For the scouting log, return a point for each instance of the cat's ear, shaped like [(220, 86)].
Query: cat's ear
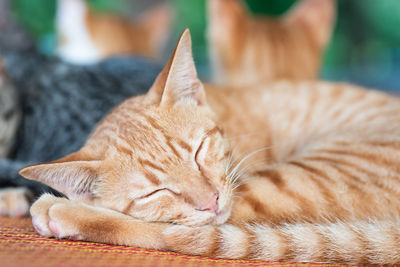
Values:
[(70, 175), (318, 16), (158, 21), (178, 80)]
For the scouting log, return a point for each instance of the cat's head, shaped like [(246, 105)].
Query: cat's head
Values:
[(157, 157), (245, 48), (86, 36)]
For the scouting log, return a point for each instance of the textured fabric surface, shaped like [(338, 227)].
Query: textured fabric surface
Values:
[(21, 246)]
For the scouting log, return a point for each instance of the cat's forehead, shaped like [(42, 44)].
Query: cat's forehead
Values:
[(183, 119), (149, 131)]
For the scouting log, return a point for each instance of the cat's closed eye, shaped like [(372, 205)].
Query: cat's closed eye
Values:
[(199, 150), (161, 190)]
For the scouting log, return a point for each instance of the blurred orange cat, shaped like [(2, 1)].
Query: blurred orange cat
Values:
[(86, 36), (245, 49)]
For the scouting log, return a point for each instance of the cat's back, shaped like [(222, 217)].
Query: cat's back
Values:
[(312, 93), (287, 89), (307, 92), (304, 104), (302, 113)]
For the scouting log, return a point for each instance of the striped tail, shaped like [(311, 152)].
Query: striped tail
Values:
[(371, 242)]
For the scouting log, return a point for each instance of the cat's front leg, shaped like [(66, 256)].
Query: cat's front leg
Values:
[(63, 218), (40, 213)]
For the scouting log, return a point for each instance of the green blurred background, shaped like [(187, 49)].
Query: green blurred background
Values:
[(364, 48)]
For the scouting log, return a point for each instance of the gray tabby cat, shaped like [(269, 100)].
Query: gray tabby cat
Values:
[(60, 104)]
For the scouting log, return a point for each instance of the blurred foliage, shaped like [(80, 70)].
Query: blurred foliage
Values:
[(37, 16), (383, 17), (365, 47), (118, 6), (271, 7)]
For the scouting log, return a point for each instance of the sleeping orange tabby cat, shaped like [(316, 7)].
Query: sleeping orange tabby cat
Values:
[(245, 49), (86, 36), (163, 169)]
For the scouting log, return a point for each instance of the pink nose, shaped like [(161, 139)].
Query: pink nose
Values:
[(211, 204)]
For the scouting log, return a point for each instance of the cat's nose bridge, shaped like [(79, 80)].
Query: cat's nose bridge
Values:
[(198, 191), (202, 196), (209, 203)]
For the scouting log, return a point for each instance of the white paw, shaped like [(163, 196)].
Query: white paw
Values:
[(14, 202), (41, 215), (57, 217)]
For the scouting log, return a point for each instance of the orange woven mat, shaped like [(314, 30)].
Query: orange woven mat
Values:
[(21, 246)]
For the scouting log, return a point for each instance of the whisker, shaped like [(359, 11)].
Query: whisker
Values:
[(229, 163), (236, 186), (239, 182), (237, 162), (236, 197), (252, 165), (231, 156), (234, 170)]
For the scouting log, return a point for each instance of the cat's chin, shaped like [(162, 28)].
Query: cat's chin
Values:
[(214, 220), (221, 218)]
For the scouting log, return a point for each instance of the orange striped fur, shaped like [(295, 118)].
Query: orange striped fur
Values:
[(168, 170), (88, 36), (245, 49)]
